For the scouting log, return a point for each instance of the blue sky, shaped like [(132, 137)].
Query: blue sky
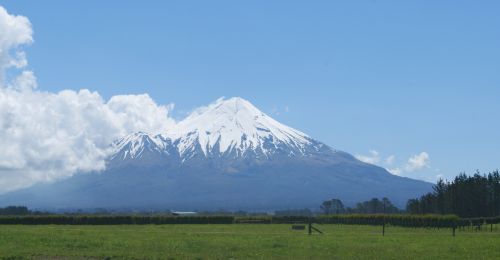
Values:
[(396, 77)]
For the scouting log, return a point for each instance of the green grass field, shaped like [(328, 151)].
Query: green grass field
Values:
[(244, 242)]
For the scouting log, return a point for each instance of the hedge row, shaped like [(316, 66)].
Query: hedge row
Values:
[(479, 221), (273, 220), (114, 220), (436, 221)]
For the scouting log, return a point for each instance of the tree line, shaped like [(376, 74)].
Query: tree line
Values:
[(373, 206), (466, 196), (113, 220), (19, 211), (15, 210)]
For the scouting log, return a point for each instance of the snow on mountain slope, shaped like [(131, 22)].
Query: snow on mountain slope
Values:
[(228, 127), (234, 125), (135, 145)]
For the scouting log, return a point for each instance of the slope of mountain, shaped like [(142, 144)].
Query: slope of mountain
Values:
[(228, 155)]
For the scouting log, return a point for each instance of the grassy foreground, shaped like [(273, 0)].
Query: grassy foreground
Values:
[(243, 242)]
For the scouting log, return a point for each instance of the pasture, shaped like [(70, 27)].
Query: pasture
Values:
[(244, 241)]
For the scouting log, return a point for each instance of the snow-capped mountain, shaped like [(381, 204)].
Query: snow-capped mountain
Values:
[(228, 155), (232, 129), (235, 126)]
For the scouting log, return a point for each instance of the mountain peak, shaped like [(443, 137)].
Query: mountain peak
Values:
[(234, 124), (236, 104), (232, 107)]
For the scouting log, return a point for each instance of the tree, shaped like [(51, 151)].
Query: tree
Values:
[(388, 207), (374, 206), (466, 196), (326, 207), (334, 206), (14, 210), (337, 206)]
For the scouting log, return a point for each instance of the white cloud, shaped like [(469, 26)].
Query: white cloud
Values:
[(414, 163), (52, 135), (372, 158), (46, 136), (280, 110), (395, 171), (390, 160), (15, 31), (417, 162), (275, 111), (25, 81)]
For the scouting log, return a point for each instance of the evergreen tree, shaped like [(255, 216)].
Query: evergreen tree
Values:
[(466, 196)]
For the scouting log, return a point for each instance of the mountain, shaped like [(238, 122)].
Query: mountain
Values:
[(226, 134), (228, 155)]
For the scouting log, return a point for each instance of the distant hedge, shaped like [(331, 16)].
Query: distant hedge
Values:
[(273, 220), (479, 221), (435, 221), (359, 219), (113, 220), (402, 220)]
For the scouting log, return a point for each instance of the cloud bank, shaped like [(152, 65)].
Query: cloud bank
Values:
[(417, 162), (47, 136), (414, 163), (372, 158), (14, 32)]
